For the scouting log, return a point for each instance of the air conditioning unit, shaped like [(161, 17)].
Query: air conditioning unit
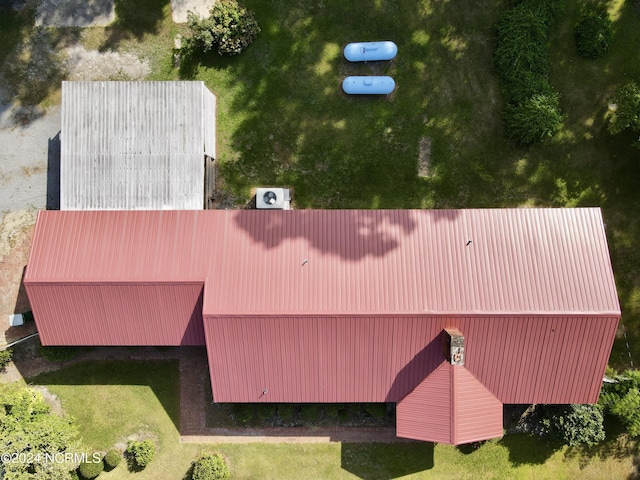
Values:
[(270, 198), (454, 346)]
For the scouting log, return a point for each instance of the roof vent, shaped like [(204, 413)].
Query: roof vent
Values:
[(269, 198), (454, 346)]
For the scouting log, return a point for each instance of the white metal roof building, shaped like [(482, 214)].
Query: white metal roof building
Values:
[(135, 145)]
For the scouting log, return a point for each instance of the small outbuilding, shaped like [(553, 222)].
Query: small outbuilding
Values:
[(136, 145)]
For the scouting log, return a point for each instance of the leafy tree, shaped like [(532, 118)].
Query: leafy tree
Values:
[(5, 358), (30, 434), (626, 115), (140, 453), (230, 26), (572, 424), (621, 398), (593, 35), (210, 467)]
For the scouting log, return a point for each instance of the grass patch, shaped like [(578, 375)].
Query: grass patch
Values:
[(112, 400)]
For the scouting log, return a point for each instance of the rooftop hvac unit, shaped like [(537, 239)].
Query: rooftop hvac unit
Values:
[(272, 198), (454, 346)]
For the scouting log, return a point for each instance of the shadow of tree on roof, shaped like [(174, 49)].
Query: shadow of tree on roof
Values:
[(362, 233), (372, 461)]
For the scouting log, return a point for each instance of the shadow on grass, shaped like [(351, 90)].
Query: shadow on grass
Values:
[(161, 376), (372, 461), (134, 19), (527, 449)]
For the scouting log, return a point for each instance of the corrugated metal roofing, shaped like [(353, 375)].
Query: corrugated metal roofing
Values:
[(135, 145), (344, 261), (449, 406)]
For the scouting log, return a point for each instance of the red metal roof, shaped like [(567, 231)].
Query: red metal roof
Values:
[(339, 306), (449, 406), (374, 261)]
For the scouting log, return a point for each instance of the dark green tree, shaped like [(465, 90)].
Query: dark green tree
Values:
[(593, 35)]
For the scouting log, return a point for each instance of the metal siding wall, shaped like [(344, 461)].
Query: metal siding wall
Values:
[(425, 413), (478, 414), (118, 314), (376, 359)]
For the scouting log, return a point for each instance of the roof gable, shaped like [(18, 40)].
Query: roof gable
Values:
[(449, 406)]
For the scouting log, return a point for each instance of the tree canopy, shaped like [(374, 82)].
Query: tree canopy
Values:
[(33, 441)]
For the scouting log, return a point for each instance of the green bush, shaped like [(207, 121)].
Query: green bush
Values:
[(332, 410), (89, 470), (5, 358), (230, 26), (210, 467), (536, 118), (572, 425), (243, 412), (309, 412), (140, 453), (286, 411), (376, 410), (593, 35), (112, 459), (265, 411)]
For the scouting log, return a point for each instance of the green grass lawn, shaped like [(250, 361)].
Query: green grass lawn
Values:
[(113, 400)]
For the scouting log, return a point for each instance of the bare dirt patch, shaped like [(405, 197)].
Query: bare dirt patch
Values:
[(93, 65), (51, 399), (424, 156)]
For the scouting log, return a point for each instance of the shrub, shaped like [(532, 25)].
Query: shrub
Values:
[(140, 453), (285, 411), (5, 358), (593, 35), (573, 425), (376, 410), (112, 459), (89, 470), (243, 412), (332, 409), (265, 410), (309, 412), (210, 467), (230, 26), (536, 118)]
